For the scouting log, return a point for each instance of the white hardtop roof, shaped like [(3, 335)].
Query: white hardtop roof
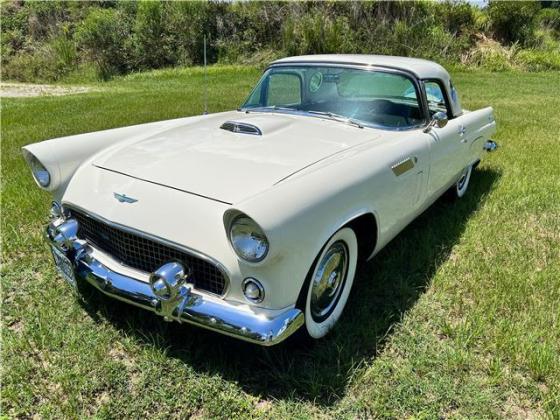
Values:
[(423, 69)]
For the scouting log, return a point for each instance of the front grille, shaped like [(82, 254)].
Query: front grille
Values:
[(146, 254)]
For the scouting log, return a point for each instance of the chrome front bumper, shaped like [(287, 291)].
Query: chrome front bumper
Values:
[(186, 306)]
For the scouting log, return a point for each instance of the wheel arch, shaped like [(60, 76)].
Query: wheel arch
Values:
[(365, 226)]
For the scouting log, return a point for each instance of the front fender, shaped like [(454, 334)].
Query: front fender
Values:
[(299, 217), (64, 155)]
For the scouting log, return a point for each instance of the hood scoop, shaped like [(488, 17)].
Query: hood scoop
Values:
[(241, 128)]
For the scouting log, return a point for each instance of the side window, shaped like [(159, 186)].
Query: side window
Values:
[(436, 98), (284, 89)]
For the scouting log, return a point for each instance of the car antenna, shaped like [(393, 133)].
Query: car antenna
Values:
[(205, 81)]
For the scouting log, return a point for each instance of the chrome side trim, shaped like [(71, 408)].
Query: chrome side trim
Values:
[(213, 314), (179, 247)]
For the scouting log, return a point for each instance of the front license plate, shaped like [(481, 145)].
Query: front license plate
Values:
[(64, 266)]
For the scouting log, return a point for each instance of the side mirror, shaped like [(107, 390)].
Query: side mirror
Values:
[(439, 120)]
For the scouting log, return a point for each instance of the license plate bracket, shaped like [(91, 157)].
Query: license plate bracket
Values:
[(64, 266)]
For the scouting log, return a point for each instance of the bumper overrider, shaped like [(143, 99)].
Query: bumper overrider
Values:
[(168, 293)]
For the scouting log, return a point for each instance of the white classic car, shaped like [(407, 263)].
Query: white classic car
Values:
[(251, 222)]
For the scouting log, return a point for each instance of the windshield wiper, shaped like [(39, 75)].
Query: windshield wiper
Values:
[(337, 117), (330, 115), (273, 107)]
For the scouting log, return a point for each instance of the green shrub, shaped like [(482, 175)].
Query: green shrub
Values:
[(545, 39), (549, 18), (14, 29), (457, 17), (481, 23), (49, 40), (105, 38), (537, 60), (186, 23), (44, 17), (149, 35), (513, 21), (65, 53), (38, 66), (491, 55), (317, 34), (51, 61)]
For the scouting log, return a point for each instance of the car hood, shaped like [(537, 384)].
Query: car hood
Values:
[(201, 158)]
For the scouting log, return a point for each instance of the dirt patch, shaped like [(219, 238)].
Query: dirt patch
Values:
[(24, 90)]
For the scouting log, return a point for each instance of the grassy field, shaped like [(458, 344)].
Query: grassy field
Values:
[(458, 316)]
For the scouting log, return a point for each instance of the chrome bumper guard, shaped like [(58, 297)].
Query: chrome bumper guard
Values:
[(182, 304)]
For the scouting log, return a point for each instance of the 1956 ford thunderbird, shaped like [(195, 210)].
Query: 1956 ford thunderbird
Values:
[(251, 222)]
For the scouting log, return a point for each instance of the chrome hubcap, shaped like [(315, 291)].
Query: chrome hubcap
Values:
[(328, 281)]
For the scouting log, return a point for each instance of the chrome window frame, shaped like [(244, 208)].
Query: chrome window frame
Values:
[(444, 92)]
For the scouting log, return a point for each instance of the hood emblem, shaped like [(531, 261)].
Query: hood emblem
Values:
[(123, 198)]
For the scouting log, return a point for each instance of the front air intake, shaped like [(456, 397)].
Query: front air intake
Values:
[(241, 127)]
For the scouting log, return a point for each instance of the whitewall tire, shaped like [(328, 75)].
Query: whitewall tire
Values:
[(463, 182), (330, 283)]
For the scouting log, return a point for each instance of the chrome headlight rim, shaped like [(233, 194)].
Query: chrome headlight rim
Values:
[(235, 221), (40, 173)]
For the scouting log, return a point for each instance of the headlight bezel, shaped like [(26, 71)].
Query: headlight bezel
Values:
[(40, 173), (241, 220)]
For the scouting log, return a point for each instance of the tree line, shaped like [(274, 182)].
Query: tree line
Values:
[(46, 41)]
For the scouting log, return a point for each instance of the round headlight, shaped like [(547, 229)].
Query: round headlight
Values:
[(39, 172), (248, 239)]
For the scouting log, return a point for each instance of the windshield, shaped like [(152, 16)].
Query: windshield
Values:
[(363, 97)]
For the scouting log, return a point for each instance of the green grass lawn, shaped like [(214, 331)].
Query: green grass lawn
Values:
[(458, 316)]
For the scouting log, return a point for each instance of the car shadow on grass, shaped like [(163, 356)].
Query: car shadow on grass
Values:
[(385, 289)]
